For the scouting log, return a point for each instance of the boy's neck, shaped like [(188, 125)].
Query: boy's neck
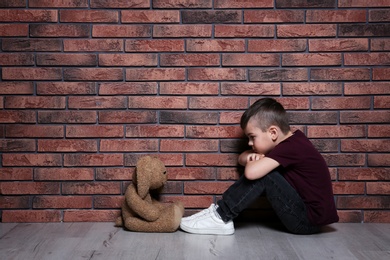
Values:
[(283, 136)]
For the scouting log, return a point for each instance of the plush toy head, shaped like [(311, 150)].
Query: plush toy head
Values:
[(150, 174)]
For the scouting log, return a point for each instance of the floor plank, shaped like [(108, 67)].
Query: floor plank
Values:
[(251, 241)]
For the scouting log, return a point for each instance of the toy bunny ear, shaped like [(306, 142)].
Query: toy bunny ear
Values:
[(143, 175)]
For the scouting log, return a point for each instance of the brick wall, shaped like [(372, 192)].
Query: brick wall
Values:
[(89, 86)]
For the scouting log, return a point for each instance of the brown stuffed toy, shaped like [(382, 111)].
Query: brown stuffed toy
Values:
[(141, 212)]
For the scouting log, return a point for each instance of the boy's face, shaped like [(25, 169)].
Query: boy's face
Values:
[(261, 142)]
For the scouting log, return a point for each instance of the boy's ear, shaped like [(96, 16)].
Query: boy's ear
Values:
[(274, 132)]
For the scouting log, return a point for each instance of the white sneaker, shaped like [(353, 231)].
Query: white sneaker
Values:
[(207, 222)]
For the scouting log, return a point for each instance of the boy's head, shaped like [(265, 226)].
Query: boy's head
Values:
[(264, 113)]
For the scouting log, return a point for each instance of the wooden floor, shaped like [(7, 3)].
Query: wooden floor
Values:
[(251, 241)]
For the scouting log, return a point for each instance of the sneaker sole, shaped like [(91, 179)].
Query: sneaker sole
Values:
[(225, 232)]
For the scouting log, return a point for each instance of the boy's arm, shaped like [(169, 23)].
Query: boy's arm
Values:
[(256, 165)]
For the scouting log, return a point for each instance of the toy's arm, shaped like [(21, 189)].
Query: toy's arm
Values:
[(143, 208)]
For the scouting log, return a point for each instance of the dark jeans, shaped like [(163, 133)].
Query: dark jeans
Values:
[(284, 199)]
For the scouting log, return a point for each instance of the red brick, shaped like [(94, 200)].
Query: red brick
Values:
[(363, 3), (278, 45), (206, 187), (35, 102), (210, 45), (361, 59), (182, 3), (169, 159), (189, 88), (17, 145), (154, 45), (214, 132), (127, 117), (107, 202), (378, 130), (306, 30), (128, 145), (326, 145), (366, 88), (16, 174), (89, 16), (189, 60), (114, 174), (218, 103), (15, 116), (31, 73), (340, 74), (62, 202), (66, 60), (371, 216), (83, 188), (377, 73), (382, 102), (336, 131), (210, 16), (120, 4), (249, 89), (267, 60), (341, 103), (350, 188), (304, 3), (18, 59), (150, 16), (81, 131), (22, 188), (128, 60), (335, 16), (13, 202), (68, 117), (350, 216), (59, 30), (14, 30), (313, 118), (191, 201), (162, 102), (365, 30), (243, 4), (364, 174), (154, 131), (93, 159), (191, 173), (204, 159), (29, 216), (174, 31), (91, 215), (312, 88), (360, 202), (127, 88), (346, 159), (273, 16), (13, 3), (121, 31), (167, 145), (58, 3), (228, 173), (16, 88), (65, 88), (364, 145), (32, 159), (379, 159), (377, 44), (188, 117), (67, 146), (93, 102), (155, 74), (311, 59), (278, 74), (378, 188), (92, 45), (364, 117), (379, 15), (18, 15), (216, 74), (333, 45), (93, 74), (64, 174), (291, 102), (26, 131), (241, 31)]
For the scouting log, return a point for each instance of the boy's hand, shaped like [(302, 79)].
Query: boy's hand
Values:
[(254, 157)]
